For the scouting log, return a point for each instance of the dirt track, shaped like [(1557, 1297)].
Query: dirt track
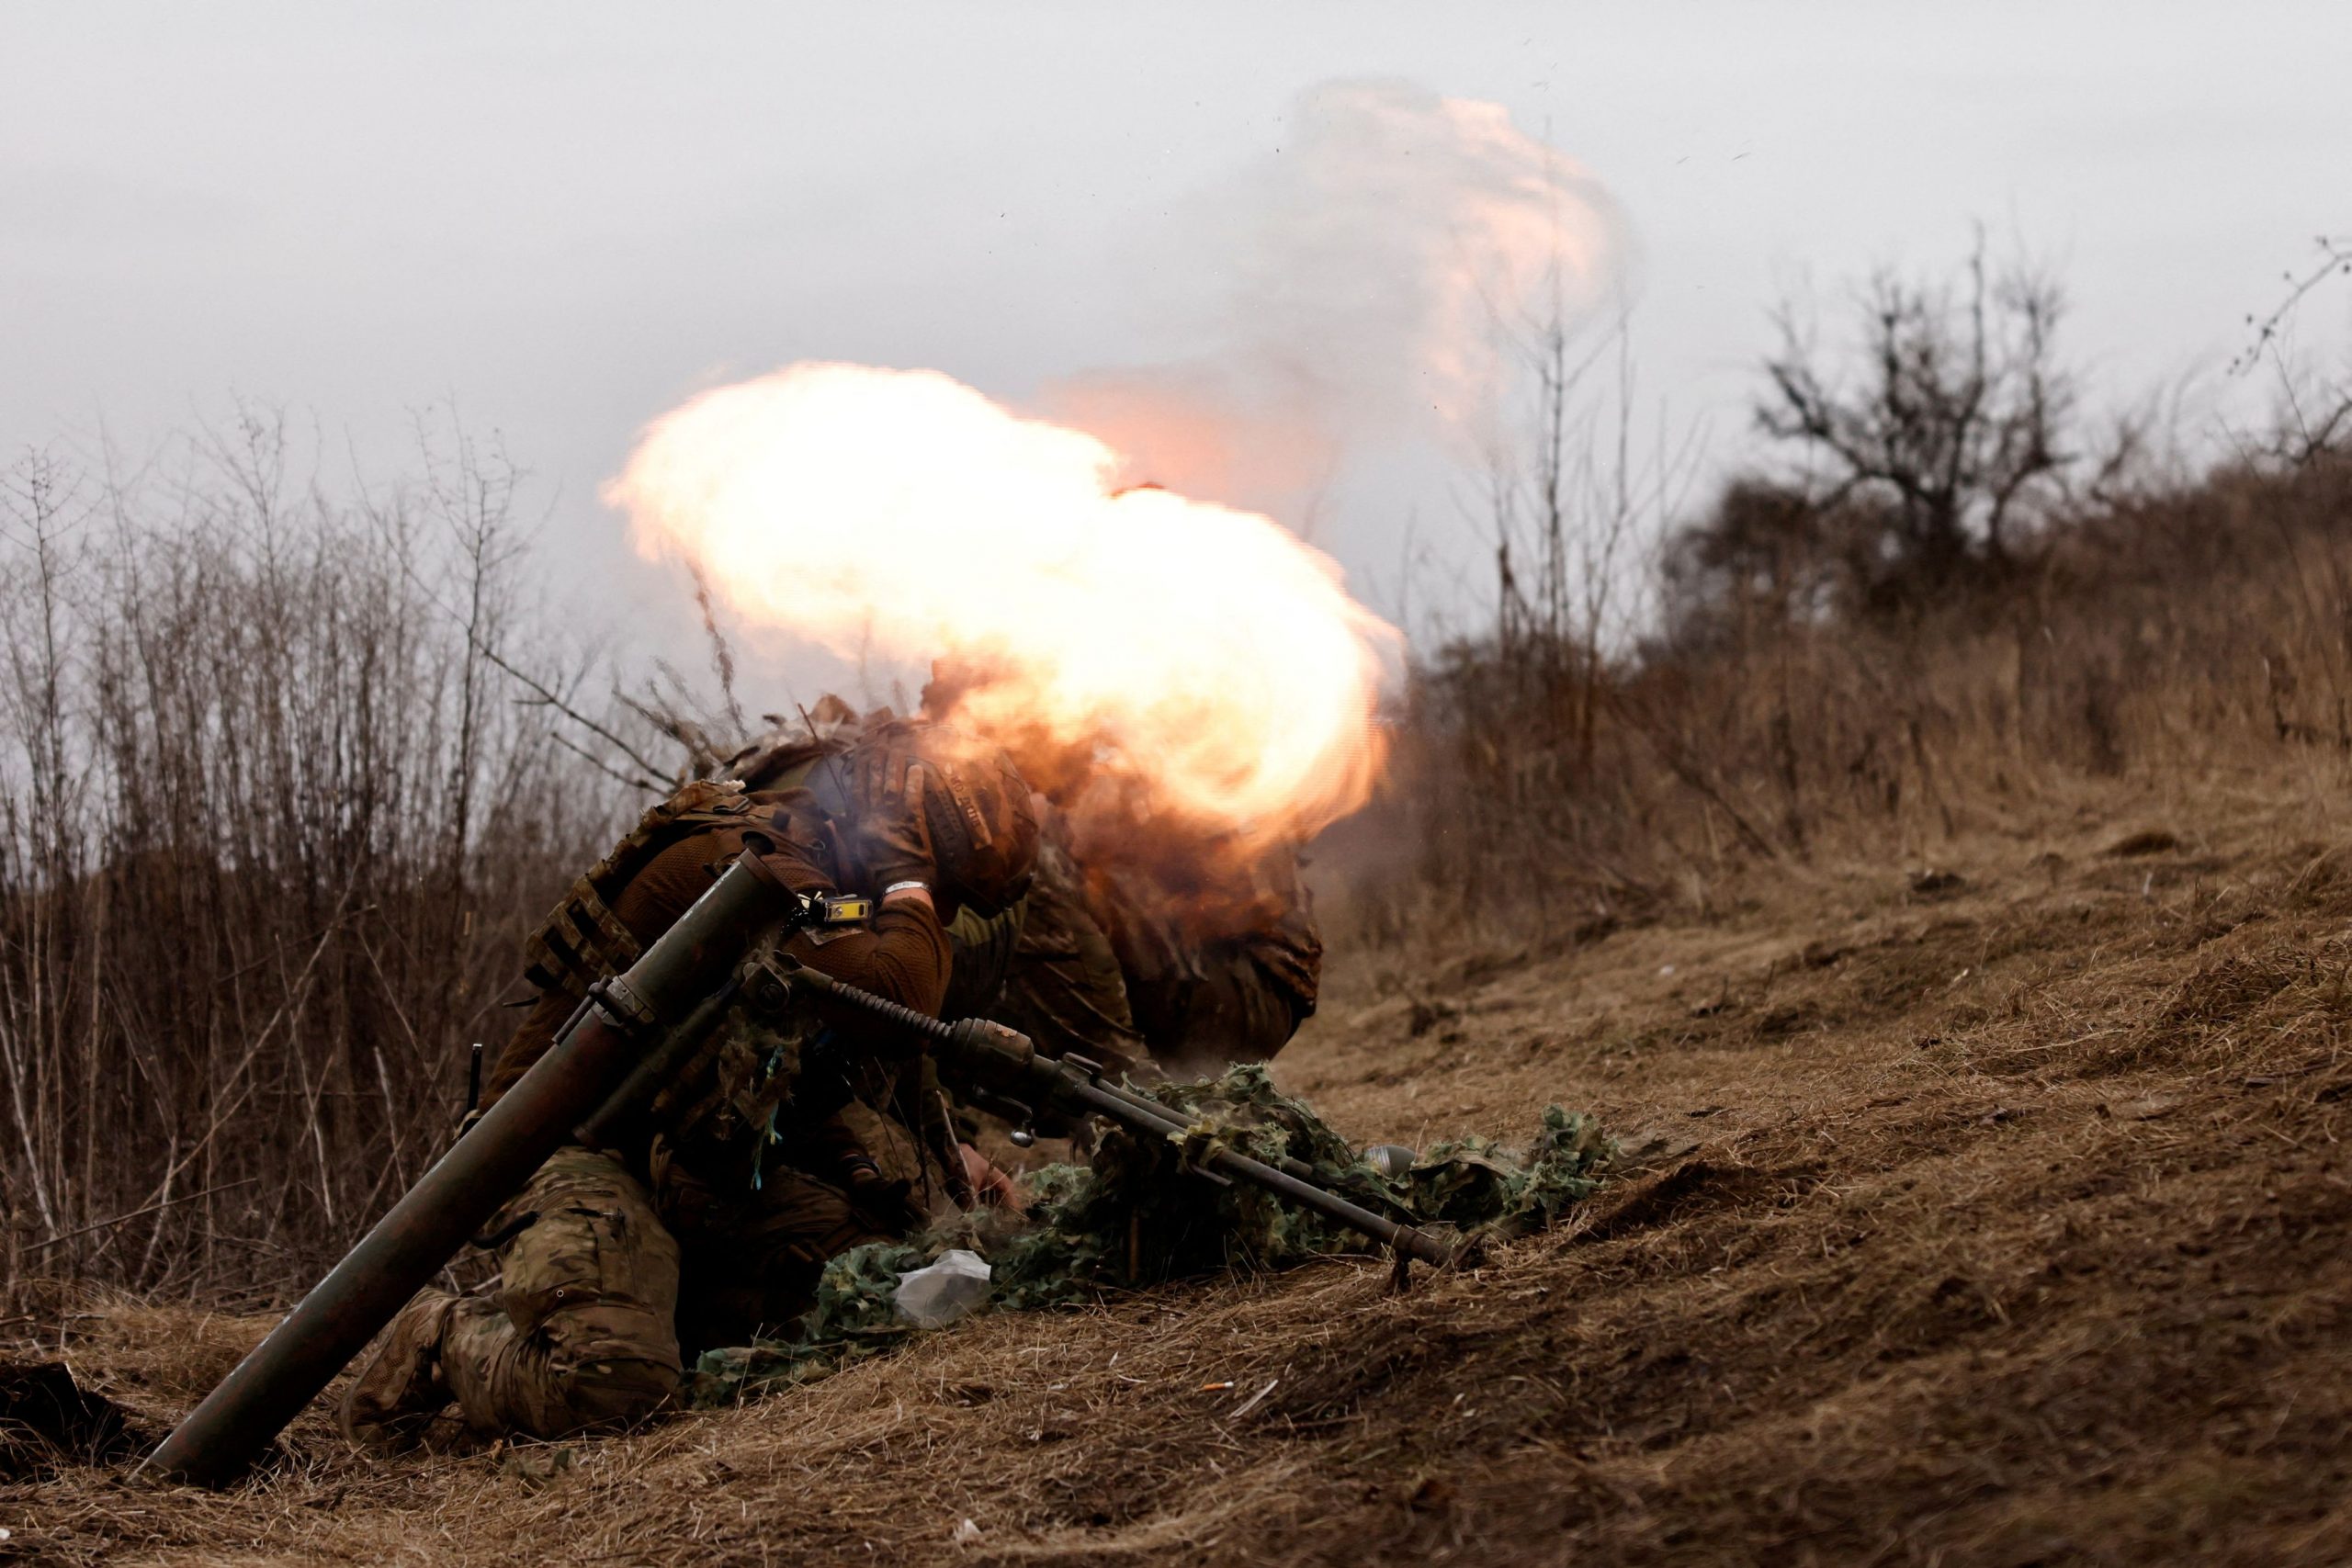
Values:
[(1997, 1221)]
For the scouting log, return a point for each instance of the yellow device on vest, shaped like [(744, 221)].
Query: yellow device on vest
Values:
[(844, 909)]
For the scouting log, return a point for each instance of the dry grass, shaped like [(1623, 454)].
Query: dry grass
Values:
[(2181, 632), (1999, 1223)]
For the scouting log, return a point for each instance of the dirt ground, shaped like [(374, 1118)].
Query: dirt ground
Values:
[(1986, 1211)]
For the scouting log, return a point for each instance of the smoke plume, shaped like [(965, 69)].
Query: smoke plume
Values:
[(1368, 272)]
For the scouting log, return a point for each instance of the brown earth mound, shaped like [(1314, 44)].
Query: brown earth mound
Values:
[(47, 1422), (2007, 1227)]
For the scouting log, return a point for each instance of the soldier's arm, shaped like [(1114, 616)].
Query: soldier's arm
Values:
[(903, 955)]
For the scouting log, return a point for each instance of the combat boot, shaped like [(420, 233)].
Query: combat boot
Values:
[(399, 1388)]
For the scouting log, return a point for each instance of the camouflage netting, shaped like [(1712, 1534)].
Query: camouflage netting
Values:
[(1135, 1219)]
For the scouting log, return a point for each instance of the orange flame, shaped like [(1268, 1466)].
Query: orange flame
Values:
[(1206, 652)]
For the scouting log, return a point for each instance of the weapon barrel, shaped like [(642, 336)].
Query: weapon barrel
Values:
[(451, 1202), (654, 1069), (1132, 1111), (1006, 1059), (1295, 1168)]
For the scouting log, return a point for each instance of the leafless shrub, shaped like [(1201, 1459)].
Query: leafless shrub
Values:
[(270, 813), (1947, 614), (1509, 739)]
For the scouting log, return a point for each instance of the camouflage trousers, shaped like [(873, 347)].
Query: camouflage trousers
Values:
[(597, 1275)]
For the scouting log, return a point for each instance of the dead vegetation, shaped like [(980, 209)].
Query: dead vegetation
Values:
[(2003, 1229), (1938, 594), (270, 816), (1964, 974)]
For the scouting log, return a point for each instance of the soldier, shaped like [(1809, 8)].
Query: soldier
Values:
[(786, 1142), (1141, 945), (1218, 951)]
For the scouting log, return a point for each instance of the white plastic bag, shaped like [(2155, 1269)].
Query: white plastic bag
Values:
[(936, 1295)]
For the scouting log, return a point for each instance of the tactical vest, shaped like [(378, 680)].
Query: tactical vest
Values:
[(728, 1115), (721, 1110), (583, 940), (720, 1113), (724, 1103)]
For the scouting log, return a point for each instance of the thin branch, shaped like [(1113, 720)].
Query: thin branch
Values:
[(633, 782), (150, 1209), (548, 698), (2336, 261)]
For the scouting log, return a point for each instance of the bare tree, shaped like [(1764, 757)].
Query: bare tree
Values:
[(1953, 421)]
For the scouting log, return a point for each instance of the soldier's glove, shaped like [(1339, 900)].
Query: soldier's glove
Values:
[(892, 833)]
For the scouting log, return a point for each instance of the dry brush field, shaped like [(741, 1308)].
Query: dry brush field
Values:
[(1987, 1212)]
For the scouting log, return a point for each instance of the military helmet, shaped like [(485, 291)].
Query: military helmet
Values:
[(976, 806)]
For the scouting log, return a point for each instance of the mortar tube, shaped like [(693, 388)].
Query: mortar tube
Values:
[(654, 1069), (449, 1203)]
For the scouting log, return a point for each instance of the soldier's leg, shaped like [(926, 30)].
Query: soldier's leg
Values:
[(751, 1266), (581, 1333)]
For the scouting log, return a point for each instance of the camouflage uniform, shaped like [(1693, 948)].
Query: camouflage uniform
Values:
[(786, 1141), (1050, 972), (582, 1331), (1122, 968)]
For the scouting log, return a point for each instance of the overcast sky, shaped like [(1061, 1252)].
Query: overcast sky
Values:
[(564, 218)]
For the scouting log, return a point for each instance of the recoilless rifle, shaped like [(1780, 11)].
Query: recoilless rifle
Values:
[(632, 1034)]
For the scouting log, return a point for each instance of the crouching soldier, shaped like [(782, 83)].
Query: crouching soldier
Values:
[(1148, 945), (791, 1137), (1219, 953)]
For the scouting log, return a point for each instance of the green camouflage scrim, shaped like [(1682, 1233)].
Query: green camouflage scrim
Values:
[(1478, 1184), (853, 1319), (1135, 1219)]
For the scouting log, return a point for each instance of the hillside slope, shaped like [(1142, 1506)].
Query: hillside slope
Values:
[(1997, 1216)]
